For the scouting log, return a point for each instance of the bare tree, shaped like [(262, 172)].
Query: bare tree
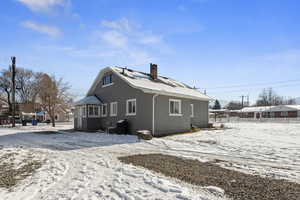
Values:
[(5, 88), (268, 97), (289, 101), (52, 94), (27, 83), (27, 86)]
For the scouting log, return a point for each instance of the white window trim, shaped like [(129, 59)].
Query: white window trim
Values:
[(127, 108), (93, 116), (111, 109), (110, 84), (175, 114), (192, 110), (102, 110)]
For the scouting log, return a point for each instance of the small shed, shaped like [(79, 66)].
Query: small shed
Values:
[(87, 113)]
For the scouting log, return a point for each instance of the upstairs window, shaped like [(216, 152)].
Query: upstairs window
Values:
[(93, 111), (175, 107), (107, 80), (131, 107)]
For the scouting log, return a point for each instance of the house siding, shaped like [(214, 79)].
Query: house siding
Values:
[(201, 115), (166, 124), (120, 92)]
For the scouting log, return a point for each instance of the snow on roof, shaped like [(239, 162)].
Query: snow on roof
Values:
[(33, 114), (163, 85), (218, 110), (88, 100), (271, 108), (297, 107)]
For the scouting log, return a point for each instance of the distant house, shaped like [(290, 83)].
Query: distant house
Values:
[(280, 111), (62, 114), (148, 102)]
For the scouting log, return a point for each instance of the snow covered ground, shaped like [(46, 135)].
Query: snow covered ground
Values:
[(85, 165)]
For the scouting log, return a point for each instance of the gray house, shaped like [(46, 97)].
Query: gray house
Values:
[(148, 102)]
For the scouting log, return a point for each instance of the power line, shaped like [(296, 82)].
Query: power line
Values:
[(243, 90), (251, 84)]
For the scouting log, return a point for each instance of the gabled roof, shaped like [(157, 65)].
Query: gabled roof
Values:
[(143, 81)]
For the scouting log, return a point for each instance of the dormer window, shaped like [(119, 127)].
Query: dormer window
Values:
[(107, 80)]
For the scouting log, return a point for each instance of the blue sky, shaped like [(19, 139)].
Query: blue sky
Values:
[(210, 44)]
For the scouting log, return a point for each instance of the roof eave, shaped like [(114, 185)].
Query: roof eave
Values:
[(174, 94)]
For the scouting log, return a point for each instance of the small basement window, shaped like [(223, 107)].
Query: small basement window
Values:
[(113, 109), (104, 110), (107, 80), (175, 107), (93, 111), (131, 107)]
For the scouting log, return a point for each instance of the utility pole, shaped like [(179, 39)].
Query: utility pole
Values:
[(243, 96), (248, 103), (13, 82)]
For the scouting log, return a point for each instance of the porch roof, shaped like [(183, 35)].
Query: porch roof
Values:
[(89, 100)]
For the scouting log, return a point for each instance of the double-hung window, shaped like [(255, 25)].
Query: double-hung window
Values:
[(131, 107), (175, 107), (104, 110), (93, 111), (113, 109), (192, 110), (83, 111), (107, 80)]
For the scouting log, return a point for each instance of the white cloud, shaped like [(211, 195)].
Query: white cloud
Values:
[(122, 24), (51, 31), (130, 42), (118, 42), (123, 32), (43, 5), (114, 38)]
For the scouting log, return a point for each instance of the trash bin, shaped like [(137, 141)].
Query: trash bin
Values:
[(122, 127), (34, 122), (24, 123)]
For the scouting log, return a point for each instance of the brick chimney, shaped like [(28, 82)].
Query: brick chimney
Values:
[(153, 71)]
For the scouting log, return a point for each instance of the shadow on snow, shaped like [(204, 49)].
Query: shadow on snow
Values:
[(63, 141)]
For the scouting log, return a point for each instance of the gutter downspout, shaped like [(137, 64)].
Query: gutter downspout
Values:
[(153, 113)]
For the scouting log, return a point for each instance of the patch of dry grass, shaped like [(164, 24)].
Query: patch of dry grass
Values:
[(11, 175)]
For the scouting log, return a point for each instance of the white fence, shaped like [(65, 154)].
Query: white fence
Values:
[(237, 119)]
